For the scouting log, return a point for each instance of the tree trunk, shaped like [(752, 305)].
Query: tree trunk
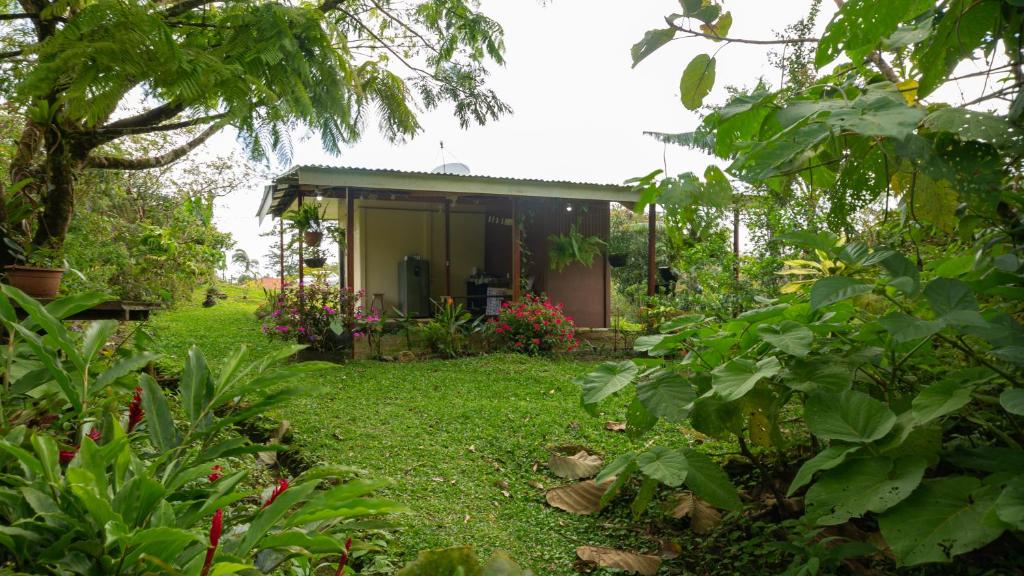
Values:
[(59, 198)]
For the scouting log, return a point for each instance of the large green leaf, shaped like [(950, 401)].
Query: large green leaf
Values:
[(665, 465), (943, 397), (877, 114), (825, 460), (974, 125), (942, 519), (158, 414), (835, 289), (827, 373), (905, 327), (196, 389), (963, 27), (1010, 505), (1012, 400), (652, 40), (862, 485), (607, 379), (850, 416), (639, 419), (947, 295), (789, 336), (860, 25), (733, 380), (708, 481), (666, 395), (697, 81), (716, 417)]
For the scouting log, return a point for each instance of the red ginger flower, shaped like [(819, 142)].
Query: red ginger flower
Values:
[(344, 558), (94, 434), (215, 473), (67, 456), (216, 527), (282, 485), (135, 411)]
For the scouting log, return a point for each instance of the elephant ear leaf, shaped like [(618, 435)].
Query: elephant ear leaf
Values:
[(698, 79)]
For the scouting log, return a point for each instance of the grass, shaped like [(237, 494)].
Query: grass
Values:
[(464, 440)]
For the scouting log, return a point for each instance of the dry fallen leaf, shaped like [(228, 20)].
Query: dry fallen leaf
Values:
[(703, 517), (642, 564), (580, 464), (506, 493), (581, 498), (535, 484), (670, 549), (503, 484), (615, 426)]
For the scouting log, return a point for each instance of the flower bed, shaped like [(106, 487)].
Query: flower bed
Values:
[(534, 325), (317, 318)]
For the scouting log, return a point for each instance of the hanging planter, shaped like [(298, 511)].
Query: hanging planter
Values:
[(618, 260), (312, 238), (315, 261), (36, 282)]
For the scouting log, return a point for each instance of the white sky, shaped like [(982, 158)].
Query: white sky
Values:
[(579, 108)]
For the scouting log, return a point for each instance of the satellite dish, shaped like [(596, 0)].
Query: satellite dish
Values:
[(452, 168)]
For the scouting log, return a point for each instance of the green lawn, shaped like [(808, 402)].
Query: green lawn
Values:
[(452, 434)]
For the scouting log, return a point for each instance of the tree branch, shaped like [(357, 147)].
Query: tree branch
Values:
[(18, 16), (151, 117), (184, 7), (727, 39), (109, 133), (114, 163)]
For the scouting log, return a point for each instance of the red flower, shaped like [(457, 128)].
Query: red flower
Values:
[(536, 341), (94, 434), (282, 485), (344, 558), (215, 474), (67, 455), (216, 527), (135, 411)]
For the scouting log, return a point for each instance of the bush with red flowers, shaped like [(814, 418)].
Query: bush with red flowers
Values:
[(534, 325), (307, 318)]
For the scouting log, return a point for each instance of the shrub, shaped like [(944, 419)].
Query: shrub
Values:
[(448, 331), (534, 325), (103, 472), (307, 318)]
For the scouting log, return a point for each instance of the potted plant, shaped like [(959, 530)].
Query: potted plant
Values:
[(38, 270), (573, 247), (316, 258), (308, 220), (618, 259)]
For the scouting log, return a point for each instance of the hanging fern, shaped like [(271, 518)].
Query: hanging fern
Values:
[(573, 247)]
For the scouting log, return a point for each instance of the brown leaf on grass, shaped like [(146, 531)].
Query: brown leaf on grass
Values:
[(581, 498), (270, 457), (574, 463), (670, 549), (703, 516), (642, 564), (615, 426)]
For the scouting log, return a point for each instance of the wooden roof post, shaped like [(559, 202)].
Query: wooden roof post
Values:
[(350, 239), (652, 262), (447, 248), (280, 224), (516, 258), (302, 265)]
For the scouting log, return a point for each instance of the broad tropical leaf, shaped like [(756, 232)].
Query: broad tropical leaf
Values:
[(850, 416), (697, 81)]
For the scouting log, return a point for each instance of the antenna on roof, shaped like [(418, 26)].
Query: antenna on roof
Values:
[(455, 168)]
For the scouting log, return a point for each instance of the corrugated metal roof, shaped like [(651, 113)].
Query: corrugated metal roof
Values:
[(389, 171)]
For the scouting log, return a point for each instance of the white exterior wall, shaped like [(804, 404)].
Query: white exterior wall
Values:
[(387, 231)]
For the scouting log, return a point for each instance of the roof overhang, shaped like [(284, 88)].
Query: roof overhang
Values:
[(279, 195)]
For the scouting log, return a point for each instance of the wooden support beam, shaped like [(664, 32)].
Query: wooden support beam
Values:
[(302, 265), (447, 249), (341, 251), (280, 224), (350, 239), (516, 258), (652, 262)]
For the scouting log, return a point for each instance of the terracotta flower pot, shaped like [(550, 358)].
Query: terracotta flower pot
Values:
[(36, 282), (313, 238), (314, 262)]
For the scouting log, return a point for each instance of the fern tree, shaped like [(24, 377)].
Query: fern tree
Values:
[(91, 75)]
